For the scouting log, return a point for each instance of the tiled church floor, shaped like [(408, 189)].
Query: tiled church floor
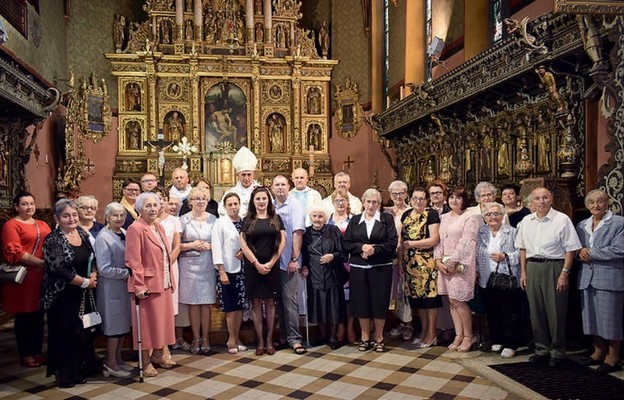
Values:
[(346, 373)]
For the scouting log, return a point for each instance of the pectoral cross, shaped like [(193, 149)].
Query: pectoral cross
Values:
[(185, 149)]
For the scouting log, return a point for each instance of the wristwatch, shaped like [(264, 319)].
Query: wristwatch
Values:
[(566, 270), (294, 259)]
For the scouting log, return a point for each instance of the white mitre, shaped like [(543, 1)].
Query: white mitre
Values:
[(244, 160)]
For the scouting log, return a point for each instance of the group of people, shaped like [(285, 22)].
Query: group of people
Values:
[(174, 253)]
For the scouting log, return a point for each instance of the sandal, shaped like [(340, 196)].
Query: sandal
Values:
[(365, 345), (380, 347), (270, 351), (195, 347), (298, 349), (181, 344), (205, 349), (260, 351), (241, 347)]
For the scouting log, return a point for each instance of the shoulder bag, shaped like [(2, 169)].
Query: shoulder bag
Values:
[(16, 273)]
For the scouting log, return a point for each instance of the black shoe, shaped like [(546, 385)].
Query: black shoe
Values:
[(539, 359), (66, 384), (587, 362), (557, 362), (605, 368), (334, 344)]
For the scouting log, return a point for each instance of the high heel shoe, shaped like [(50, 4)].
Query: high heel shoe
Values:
[(467, 344), (423, 345), (458, 340), (196, 346), (205, 347), (108, 371)]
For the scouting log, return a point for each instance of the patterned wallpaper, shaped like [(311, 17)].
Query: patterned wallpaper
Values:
[(350, 46), (396, 20)]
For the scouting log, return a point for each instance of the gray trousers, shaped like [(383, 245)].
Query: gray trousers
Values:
[(548, 307), (289, 308)]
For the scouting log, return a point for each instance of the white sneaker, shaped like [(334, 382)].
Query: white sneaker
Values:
[(508, 353), (398, 331), (416, 341), (496, 348)]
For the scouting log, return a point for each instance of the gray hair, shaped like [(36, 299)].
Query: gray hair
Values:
[(113, 207), (482, 186), (397, 185), (62, 204), (86, 200), (500, 207), (370, 192), (143, 197), (597, 194), (316, 207)]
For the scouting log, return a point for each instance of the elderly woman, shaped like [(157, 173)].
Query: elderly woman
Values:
[(419, 234), (22, 243), (70, 273), (87, 208), (455, 260), (484, 193), (496, 252), (340, 218), (227, 256), (262, 240), (323, 267), (371, 241), (601, 280), (131, 188), (112, 290), (198, 281), (398, 195), (151, 282)]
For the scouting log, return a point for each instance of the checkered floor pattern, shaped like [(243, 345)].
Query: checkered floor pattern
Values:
[(346, 373)]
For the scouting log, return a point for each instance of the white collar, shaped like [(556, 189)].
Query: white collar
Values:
[(376, 217), (589, 223)]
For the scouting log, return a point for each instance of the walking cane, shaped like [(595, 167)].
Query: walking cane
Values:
[(305, 306), (138, 322)]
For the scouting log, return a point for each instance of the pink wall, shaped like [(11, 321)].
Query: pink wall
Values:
[(40, 174)]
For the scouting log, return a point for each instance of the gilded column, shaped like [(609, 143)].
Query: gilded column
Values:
[(197, 10), (476, 37), (268, 29), (179, 18), (296, 117), (414, 42), (150, 73), (255, 81), (195, 101), (249, 20), (377, 61)]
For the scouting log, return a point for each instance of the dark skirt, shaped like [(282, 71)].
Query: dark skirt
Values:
[(232, 297), (325, 306), (370, 291), (259, 286)]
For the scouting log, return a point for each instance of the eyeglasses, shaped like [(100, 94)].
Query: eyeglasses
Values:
[(493, 214), (91, 208), (198, 199), (397, 194), (340, 201), (414, 198), (148, 180), (133, 190), (488, 194), (435, 193)]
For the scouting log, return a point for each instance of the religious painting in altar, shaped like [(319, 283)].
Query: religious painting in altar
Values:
[(225, 115)]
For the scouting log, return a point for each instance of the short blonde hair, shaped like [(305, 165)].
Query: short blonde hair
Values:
[(86, 200), (596, 194), (371, 192)]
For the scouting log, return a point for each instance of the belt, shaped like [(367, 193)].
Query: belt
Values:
[(543, 260)]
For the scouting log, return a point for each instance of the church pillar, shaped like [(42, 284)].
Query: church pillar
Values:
[(179, 18), (296, 117), (268, 29), (476, 32), (197, 10), (377, 66), (249, 20), (414, 42)]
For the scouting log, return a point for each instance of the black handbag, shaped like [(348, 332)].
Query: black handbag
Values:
[(502, 281)]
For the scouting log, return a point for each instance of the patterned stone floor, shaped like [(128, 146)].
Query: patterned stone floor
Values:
[(400, 373)]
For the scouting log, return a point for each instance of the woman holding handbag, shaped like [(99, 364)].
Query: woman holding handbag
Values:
[(22, 243), (498, 266), (67, 284)]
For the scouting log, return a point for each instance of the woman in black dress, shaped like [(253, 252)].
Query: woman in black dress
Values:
[(70, 274), (262, 241)]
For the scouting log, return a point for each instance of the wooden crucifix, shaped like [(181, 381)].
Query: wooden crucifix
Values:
[(346, 164)]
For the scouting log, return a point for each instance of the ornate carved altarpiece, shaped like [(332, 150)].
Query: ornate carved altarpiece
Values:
[(223, 74)]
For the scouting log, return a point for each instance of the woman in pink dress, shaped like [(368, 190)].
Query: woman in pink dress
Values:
[(455, 259)]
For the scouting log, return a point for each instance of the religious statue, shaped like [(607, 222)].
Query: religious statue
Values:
[(314, 136), (189, 5), (592, 42), (323, 38), (542, 142), (259, 33), (485, 152), (276, 136), (314, 101), (547, 80), (161, 157), (503, 162), (258, 7), (176, 127), (189, 33), (469, 152), (133, 97), (133, 135), (119, 33), (280, 37), (165, 31), (226, 170)]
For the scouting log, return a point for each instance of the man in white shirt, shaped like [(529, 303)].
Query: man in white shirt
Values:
[(548, 242), (245, 163), (302, 192), (342, 180), (181, 186), (148, 182)]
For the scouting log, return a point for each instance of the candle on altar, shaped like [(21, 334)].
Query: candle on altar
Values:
[(401, 92), (311, 162)]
